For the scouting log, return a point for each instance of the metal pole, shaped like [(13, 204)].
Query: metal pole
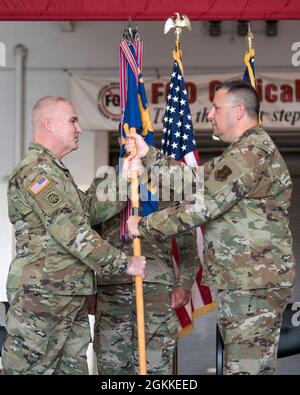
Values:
[(20, 53)]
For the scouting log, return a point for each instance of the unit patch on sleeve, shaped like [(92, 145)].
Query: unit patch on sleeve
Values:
[(46, 195), (53, 198)]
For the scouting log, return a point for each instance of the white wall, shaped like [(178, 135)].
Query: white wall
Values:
[(6, 241), (6, 122)]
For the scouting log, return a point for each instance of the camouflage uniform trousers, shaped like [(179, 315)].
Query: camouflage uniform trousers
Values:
[(47, 334), (250, 324), (115, 339)]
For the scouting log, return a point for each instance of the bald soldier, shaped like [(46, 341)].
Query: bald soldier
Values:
[(51, 276), (248, 244)]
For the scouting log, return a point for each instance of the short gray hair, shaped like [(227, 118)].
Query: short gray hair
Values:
[(42, 105), (243, 91)]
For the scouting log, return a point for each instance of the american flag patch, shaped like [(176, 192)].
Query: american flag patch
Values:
[(39, 185)]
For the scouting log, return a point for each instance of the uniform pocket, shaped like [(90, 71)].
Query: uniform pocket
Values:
[(172, 324), (245, 315), (27, 327), (15, 273)]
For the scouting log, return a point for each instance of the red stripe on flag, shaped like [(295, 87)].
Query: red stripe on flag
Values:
[(183, 317), (130, 59), (200, 294)]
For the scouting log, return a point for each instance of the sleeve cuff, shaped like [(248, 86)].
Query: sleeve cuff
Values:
[(150, 159), (143, 228), (185, 283)]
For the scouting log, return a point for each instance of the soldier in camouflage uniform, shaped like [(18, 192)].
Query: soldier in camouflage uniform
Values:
[(52, 276), (248, 244), (115, 339)]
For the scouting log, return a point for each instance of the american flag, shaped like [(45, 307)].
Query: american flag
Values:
[(178, 141), (39, 185)]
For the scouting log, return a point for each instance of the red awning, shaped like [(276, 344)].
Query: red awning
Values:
[(148, 10)]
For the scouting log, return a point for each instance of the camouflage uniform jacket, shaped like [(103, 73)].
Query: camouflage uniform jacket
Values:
[(247, 192), (56, 249), (158, 253)]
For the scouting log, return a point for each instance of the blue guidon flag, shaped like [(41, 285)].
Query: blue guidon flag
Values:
[(135, 117)]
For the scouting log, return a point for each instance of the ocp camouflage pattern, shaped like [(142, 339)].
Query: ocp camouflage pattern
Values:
[(56, 249), (250, 322), (247, 192), (158, 254)]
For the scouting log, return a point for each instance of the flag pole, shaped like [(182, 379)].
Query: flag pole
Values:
[(250, 53), (131, 34), (138, 279), (177, 24), (249, 38), (249, 60)]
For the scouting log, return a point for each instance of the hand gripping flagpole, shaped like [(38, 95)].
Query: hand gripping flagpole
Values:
[(131, 35)]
